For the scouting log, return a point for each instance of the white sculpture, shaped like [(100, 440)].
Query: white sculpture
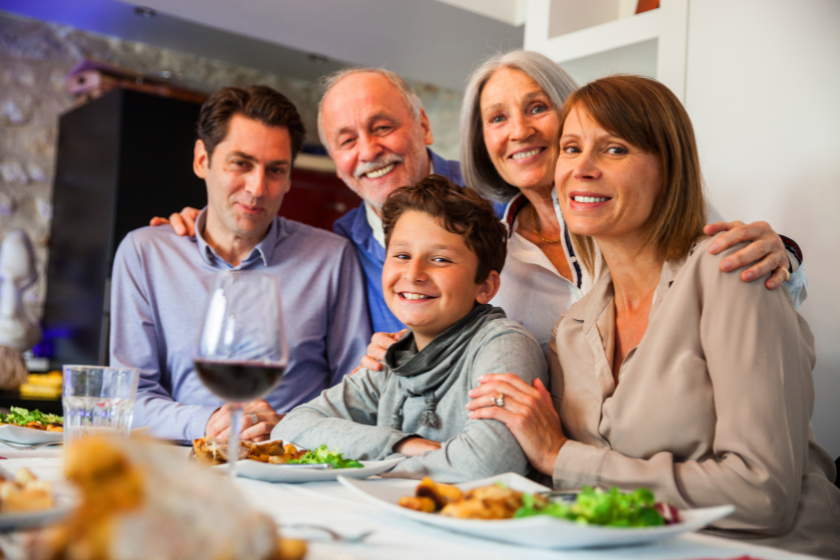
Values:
[(18, 332)]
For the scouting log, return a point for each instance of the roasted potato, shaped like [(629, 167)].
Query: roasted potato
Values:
[(488, 502), (426, 505), (441, 494)]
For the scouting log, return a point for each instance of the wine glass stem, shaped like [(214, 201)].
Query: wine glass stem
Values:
[(233, 440)]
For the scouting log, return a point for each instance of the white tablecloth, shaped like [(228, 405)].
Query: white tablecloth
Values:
[(330, 504)]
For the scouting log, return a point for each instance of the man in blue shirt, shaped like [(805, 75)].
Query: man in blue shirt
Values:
[(248, 140), (377, 132)]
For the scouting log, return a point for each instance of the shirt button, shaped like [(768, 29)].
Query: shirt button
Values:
[(573, 259)]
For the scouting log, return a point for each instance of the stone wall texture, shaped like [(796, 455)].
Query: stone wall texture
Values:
[(35, 58)]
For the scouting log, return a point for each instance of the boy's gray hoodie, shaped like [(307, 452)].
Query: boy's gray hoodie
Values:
[(425, 393)]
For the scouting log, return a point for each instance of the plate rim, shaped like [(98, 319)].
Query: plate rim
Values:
[(14, 427), (323, 475), (66, 499), (644, 534)]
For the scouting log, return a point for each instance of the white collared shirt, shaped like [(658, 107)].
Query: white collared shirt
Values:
[(375, 221), (533, 292)]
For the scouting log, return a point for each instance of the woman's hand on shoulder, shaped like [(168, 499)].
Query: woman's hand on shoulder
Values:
[(766, 252), (379, 344), (183, 223), (527, 411)]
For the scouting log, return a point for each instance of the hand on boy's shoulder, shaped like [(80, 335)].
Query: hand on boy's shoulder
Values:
[(379, 344)]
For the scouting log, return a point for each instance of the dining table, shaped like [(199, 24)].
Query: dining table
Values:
[(367, 532)]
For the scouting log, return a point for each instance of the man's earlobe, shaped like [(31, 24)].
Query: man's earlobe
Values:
[(427, 128), (201, 161)]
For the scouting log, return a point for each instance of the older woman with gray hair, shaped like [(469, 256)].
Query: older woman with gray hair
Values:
[(509, 149)]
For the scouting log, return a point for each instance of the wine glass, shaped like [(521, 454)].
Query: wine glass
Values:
[(242, 351)]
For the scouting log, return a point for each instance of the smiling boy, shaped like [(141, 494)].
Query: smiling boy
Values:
[(445, 250)]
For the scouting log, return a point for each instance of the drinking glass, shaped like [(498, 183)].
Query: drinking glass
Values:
[(242, 351), (98, 400)]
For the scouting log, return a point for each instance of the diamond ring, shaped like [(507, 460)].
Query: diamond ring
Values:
[(499, 400), (254, 418)]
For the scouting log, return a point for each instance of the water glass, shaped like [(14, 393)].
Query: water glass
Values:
[(98, 400)]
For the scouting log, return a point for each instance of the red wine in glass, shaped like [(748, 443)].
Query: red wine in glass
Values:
[(242, 352), (239, 381)]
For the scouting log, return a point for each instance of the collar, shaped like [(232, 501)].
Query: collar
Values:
[(601, 295), (515, 206), (375, 223), (360, 232), (512, 210), (437, 164), (263, 251)]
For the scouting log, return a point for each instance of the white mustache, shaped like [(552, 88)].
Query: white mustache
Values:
[(366, 167)]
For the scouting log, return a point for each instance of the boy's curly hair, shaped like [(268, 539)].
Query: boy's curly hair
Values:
[(462, 211)]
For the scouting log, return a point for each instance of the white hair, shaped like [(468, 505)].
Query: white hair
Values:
[(478, 170), (328, 82)]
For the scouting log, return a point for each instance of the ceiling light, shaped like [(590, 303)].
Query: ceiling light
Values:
[(144, 12)]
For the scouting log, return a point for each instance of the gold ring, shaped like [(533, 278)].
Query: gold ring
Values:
[(787, 272)]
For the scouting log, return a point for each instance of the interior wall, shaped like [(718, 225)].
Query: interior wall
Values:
[(568, 16), (35, 58), (763, 91), (636, 59)]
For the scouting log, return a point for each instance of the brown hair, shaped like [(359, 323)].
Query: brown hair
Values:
[(647, 114), (259, 103), (462, 211)]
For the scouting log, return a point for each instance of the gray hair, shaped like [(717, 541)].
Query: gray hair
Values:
[(328, 82), (478, 170)]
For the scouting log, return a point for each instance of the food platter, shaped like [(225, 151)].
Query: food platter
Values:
[(66, 499), (538, 531), (269, 472), (28, 436)]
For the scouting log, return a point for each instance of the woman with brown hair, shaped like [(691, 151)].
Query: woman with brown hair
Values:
[(667, 374), (509, 149)]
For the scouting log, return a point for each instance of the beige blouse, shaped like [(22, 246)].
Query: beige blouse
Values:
[(713, 407)]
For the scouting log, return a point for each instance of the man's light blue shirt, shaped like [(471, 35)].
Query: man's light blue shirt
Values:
[(159, 286)]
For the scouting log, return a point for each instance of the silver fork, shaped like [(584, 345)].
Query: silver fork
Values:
[(332, 534), (22, 446)]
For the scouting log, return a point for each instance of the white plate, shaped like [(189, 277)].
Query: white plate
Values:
[(538, 531), (28, 436), (269, 472), (65, 499)]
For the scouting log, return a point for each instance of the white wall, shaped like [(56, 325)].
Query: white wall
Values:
[(763, 91), (567, 16)]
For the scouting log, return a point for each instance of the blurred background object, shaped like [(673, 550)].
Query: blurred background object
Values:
[(91, 78), (18, 332)]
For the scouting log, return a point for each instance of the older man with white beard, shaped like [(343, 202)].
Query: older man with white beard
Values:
[(377, 132)]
